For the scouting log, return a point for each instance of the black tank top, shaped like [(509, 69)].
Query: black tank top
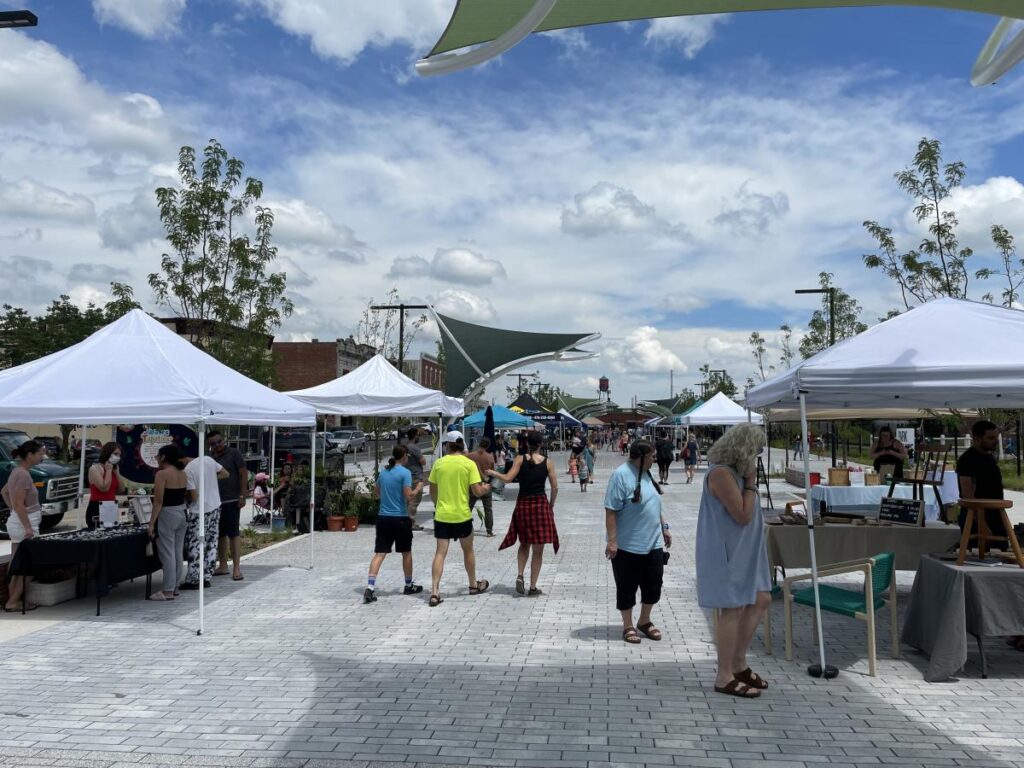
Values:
[(532, 477), (174, 497)]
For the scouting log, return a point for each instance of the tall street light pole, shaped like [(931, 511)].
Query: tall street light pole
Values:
[(18, 19), (401, 326), (831, 291)]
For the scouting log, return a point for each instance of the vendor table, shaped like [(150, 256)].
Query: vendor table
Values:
[(833, 543), (950, 601), (116, 555), (863, 499)]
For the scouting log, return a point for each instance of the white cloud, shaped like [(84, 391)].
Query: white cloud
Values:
[(682, 303), (609, 209), (642, 352), (343, 29), (689, 34), (147, 18), (34, 200), (126, 225), (752, 213), (998, 200), (465, 306), (450, 265)]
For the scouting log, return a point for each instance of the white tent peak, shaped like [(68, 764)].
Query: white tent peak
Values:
[(377, 388), (136, 371), (720, 410), (947, 353)]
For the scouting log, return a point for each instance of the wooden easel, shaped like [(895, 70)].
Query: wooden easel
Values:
[(762, 479), (976, 509)]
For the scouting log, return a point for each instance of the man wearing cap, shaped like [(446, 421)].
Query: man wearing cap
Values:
[(452, 479), (415, 467)]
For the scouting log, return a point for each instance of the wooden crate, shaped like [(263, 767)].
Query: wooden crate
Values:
[(872, 478), (838, 476)]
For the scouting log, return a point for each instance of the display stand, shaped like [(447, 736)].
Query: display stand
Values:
[(762, 479), (976, 510), (929, 473)]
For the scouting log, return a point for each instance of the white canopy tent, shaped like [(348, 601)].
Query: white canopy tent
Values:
[(135, 371), (945, 354), (377, 388), (720, 410)]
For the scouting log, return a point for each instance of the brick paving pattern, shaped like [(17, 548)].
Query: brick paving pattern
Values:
[(295, 671)]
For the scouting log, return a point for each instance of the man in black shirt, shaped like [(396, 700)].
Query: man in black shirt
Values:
[(978, 474)]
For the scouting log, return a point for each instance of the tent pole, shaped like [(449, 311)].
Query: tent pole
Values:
[(312, 496), (81, 478), (273, 452), (202, 526), (821, 669)]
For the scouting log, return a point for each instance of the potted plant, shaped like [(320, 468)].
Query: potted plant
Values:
[(337, 508)]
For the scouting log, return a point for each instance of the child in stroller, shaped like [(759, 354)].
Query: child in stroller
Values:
[(261, 499)]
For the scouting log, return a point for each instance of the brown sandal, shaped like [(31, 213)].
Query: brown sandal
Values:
[(631, 636), (650, 630), (738, 688), (751, 678), (480, 588)]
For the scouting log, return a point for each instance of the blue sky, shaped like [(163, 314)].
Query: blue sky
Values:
[(665, 184)]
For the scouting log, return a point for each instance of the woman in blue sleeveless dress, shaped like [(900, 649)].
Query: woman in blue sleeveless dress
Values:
[(732, 560)]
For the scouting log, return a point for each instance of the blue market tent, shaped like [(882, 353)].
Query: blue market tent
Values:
[(503, 419)]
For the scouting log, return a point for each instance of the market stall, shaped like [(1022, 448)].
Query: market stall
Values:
[(948, 353), (135, 371)]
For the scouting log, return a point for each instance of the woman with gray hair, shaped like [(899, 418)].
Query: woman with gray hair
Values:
[(732, 561)]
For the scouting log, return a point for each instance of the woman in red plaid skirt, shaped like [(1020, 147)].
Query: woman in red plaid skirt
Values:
[(533, 520)]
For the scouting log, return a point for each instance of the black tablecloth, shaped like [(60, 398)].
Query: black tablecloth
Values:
[(949, 601), (116, 555)]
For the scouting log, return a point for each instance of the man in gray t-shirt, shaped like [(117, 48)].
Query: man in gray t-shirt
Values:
[(415, 466), (233, 490)]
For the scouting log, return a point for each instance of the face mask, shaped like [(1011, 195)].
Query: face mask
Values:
[(114, 458)]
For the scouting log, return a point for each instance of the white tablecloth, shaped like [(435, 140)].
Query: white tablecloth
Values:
[(865, 499)]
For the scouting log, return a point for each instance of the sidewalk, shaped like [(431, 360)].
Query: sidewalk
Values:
[(295, 671)]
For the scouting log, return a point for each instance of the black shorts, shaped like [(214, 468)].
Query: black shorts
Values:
[(453, 530), (230, 511), (393, 530), (634, 571)]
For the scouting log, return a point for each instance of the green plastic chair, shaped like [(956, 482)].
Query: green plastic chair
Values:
[(879, 578)]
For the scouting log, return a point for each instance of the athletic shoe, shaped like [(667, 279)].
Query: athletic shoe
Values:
[(412, 589), (369, 596)]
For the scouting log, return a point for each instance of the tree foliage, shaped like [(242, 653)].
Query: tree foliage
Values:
[(1011, 268), (715, 381), (786, 353), (61, 325), (217, 275), (847, 319)]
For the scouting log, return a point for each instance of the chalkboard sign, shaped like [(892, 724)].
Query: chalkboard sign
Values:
[(901, 511)]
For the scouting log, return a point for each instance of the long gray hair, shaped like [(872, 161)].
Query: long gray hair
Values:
[(738, 448)]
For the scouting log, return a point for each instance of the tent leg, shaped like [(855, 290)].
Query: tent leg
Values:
[(202, 528), (81, 479), (312, 497), (821, 669), (273, 452)]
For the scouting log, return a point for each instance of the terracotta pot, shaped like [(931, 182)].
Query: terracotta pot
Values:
[(351, 523), (335, 522)]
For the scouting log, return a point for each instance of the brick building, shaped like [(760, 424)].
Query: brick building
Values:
[(302, 364), (426, 371)]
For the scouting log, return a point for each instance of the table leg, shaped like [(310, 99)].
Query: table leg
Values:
[(981, 652), (965, 537)]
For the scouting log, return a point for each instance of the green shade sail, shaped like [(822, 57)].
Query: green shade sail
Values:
[(481, 21), (476, 355)]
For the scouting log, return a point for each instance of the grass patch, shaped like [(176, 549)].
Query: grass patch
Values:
[(253, 541)]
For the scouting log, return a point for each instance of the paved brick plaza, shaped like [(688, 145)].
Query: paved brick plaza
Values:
[(295, 671)]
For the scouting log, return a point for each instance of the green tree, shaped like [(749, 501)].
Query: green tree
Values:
[(218, 277), (379, 328), (714, 381), (938, 266), (847, 319), (1012, 268), (786, 342), (62, 324), (759, 349)]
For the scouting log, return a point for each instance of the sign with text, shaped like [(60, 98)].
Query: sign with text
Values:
[(901, 511)]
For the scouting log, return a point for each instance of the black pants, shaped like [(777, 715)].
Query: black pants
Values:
[(643, 572)]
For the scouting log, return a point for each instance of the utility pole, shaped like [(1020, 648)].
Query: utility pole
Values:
[(520, 377), (401, 326), (671, 384)]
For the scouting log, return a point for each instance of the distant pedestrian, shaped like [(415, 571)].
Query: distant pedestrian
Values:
[(637, 536), (452, 479), (202, 549), (394, 488), (733, 575), (798, 447), (584, 473), (691, 455), (484, 461), (233, 490), (533, 519), (589, 451), (415, 466), (663, 451)]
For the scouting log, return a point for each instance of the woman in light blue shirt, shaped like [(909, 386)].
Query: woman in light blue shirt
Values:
[(637, 538), (394, 525)]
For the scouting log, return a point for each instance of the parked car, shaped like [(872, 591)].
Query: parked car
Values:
[(52, 445), (424, 426), (294, 446), (57, 483), (350, 440), (92, 451)]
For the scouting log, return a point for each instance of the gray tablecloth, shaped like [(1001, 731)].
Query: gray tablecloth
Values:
[(949, 601), (788, 544)]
